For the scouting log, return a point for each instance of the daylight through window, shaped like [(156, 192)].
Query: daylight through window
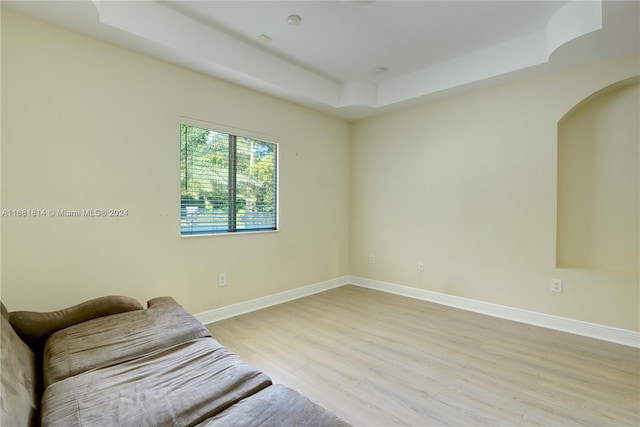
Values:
[(228, 183)]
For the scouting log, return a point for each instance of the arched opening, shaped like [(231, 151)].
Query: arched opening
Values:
[(598, 225)]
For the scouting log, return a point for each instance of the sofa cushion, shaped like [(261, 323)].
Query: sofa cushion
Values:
[(180, 386), (19, 379), (118, 338), (34, 328), (276, 406)]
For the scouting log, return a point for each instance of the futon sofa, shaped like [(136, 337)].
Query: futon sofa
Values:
[(111, 362)]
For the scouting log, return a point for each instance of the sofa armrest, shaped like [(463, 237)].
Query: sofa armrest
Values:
[(35, 327), (162, 300)]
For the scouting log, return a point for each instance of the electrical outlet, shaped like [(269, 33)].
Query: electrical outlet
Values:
[(222, 279), (372, 259), (556, 285), (420, 265)]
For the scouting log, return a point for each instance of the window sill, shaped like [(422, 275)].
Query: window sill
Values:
[(235, 233)]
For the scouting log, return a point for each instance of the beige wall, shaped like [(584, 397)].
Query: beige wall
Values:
[(89, 125), (599, 182), (468, 185)]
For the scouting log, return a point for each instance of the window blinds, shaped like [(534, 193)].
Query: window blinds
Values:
[(228, 183)]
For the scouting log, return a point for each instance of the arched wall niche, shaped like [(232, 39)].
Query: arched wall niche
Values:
[(598, 222)]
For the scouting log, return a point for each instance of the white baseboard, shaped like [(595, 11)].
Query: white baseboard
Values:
[(592, 330), (222, 313)]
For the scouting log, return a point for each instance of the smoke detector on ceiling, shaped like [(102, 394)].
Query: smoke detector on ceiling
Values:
[(294, 20)]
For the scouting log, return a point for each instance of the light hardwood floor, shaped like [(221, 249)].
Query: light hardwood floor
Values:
[(379, 359)]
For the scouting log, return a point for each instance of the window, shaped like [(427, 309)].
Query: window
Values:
[(228, 183)]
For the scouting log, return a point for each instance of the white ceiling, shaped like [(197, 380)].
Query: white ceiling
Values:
[(431, 49)]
